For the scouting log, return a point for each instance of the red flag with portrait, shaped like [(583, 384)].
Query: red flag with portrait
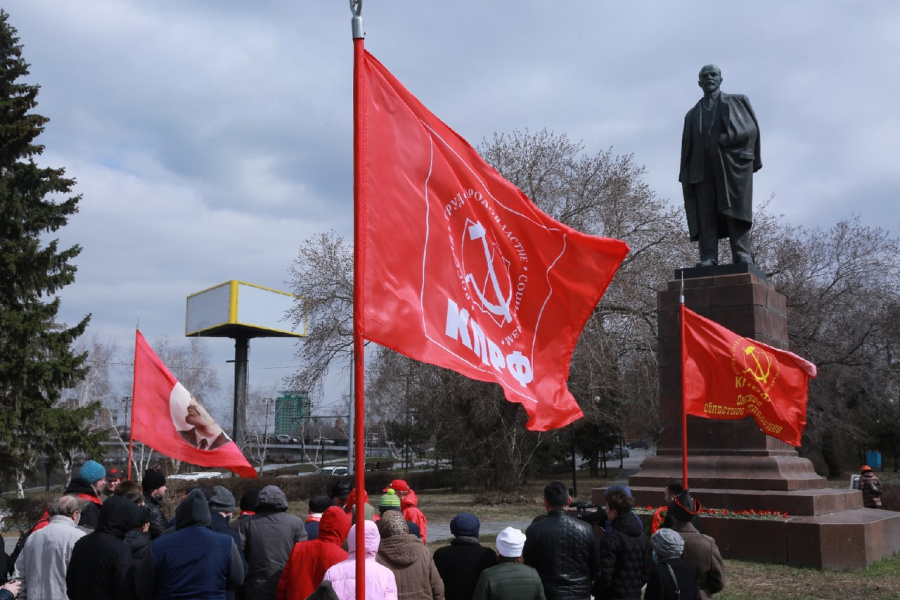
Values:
[(462, 269), (166, 417), (730, 377)]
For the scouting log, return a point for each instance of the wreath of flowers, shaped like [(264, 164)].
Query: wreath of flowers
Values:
[(660, 514)]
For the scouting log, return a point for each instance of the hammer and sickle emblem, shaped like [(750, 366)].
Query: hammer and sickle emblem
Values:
[(501, 308), (760, 370)]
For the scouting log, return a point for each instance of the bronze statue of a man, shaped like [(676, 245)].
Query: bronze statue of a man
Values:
[(719, 155)]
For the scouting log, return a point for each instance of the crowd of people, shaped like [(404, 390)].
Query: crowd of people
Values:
[(106, 537)]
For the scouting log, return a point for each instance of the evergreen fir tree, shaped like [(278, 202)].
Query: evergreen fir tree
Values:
[(37, 361)]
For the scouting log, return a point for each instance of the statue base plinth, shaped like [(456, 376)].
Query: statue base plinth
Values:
[(733, 465)]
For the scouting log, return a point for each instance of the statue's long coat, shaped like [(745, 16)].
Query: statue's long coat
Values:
[(735, 160)]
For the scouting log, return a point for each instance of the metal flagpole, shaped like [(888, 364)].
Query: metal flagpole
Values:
[(684, 438), (359, 235)]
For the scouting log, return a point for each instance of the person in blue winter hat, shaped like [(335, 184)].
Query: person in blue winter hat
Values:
[(460, 563), (87, 486)]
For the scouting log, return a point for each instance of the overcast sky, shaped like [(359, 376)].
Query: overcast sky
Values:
[(209, 137)]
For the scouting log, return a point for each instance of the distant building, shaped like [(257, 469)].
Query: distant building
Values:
[(292, 409)]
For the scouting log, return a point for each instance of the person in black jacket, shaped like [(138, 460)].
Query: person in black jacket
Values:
[(193, 561), (460, 563), (221, 509), (101, 566), (562, 548), (154, 486), (624, 552), (671, 578)]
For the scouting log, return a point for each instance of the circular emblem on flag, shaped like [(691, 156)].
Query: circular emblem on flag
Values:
[(752, 361)]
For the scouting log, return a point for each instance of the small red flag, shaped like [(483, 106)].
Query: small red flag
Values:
[(463, 270), (730, 377), (169, 419)]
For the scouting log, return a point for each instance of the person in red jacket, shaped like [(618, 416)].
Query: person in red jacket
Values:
[(309, 560), (410, 507)]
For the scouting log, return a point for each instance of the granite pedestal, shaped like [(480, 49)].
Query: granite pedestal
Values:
[(733, 465)]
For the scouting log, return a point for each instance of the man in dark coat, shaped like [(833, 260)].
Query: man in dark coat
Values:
[(719, 154), (464, 559), (193, 561), (101, 566), (268, 538), (562, 548), (221, 509), (624, 551), (154, 486)]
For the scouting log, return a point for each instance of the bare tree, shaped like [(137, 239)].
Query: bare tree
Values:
[(322, 275)]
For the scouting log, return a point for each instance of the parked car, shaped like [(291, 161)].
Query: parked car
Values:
[(333, 471), (638, 444), (616, 454), (197, 475), (283, 439)]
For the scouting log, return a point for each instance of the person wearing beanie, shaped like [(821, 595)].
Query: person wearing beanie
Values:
[(221, 509), (671, 578), (317, 506), (700, 551), (193, 561), (309, 560), (154, 485), (391, 501), (408, 558), (510, 578), (339, 493), (624, 551), (246, 506), (460, 563), (268, 538), (870, 486), (87, 486)]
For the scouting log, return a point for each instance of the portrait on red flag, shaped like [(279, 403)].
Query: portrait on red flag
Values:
[(193, 423), (168, 419), (462, 269)]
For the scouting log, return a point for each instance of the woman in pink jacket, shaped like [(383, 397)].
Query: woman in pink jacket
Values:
[(380, 582)]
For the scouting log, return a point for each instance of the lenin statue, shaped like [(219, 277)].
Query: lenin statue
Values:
[(719, 155)]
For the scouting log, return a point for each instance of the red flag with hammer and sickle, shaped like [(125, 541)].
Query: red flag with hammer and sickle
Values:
[(463, 270), (730, 377)]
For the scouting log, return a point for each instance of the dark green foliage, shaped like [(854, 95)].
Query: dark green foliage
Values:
[(36, 357)]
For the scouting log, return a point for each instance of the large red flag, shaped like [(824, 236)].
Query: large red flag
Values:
[(169, 419), (463, 270), (730, 377)]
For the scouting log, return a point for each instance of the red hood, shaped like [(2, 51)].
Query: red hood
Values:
[(334, 525), (410, 500)]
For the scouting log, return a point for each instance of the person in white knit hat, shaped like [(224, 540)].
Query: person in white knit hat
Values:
[(510, 578)]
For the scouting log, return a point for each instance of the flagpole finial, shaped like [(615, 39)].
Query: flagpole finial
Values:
[(356, 23)]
